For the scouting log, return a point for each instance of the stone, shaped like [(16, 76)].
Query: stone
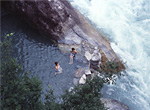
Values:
[(87, 72), (96, 51), (95, 48), (82, 79), (79, 72), (88, 55), (86, 48), (83, 43), (72, 38), (91, 51), (95, 58), (114, 104), (64, 48)]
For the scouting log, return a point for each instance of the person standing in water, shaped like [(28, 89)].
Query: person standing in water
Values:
[(58, 68), (72, 55)]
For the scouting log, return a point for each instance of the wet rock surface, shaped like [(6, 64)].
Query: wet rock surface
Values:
[(114, 104), (87, 53), (57, 19)]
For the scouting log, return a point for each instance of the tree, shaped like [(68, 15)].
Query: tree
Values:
[(50, 103), (18, 90), (84, 97)]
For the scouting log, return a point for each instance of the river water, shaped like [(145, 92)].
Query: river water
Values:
[(127, 24), (37, 55)]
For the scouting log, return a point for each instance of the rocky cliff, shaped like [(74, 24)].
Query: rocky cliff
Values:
[(57, 19)]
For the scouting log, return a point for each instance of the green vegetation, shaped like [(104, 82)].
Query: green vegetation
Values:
[(84, 97), (111, 67), (110, 70), (50, 103), (18, 91), (21, 92)]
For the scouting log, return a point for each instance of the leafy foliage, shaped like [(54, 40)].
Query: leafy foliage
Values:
[(84, 97), (18, 91), (110, 68), (50, 103)]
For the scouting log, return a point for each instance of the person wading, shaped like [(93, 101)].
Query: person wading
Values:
[(73, 52), (58, 68)]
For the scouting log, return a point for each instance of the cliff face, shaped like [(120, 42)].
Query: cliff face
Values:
[(57, 19), (49, 17)]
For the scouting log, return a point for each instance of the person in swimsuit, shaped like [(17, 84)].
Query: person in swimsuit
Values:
[(58, 68), (72, 55)]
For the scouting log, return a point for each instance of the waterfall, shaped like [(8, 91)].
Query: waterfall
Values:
[(127, 24)]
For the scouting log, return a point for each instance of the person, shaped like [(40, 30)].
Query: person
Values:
[(58, 68), (72, 55)]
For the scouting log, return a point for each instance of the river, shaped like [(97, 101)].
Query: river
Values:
[(127, 24)]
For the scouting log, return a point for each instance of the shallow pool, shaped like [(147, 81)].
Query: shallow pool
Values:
[(37, 55)]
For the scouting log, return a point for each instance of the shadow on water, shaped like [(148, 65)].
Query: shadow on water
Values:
[(37, 55)]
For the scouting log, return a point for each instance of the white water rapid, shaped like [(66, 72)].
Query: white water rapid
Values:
[(127, 24)]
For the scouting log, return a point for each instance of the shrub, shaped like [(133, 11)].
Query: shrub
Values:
[(84, 97), (50, 101), (110, 68), (18, 91)]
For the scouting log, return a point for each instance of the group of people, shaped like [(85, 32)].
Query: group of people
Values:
[(73, 52)]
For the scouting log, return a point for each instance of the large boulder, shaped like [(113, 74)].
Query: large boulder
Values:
[(114, 104), (57, 19)]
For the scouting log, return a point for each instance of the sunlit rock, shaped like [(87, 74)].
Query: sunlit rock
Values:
[(114, 104), (58, 20), (79, 72), (82, 79)]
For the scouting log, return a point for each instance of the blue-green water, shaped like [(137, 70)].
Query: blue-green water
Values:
[(37, 55)]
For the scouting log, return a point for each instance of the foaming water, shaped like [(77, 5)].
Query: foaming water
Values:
[(37, 56), (127, 24)]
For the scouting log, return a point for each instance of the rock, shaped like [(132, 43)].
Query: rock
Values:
[(96, 57), (88, 55), (87, 72), (87, 75), (96, 51), (79, 72), (57, 19), (114, 104), (95, 48), (82, 79), (72, 38), (64, 48), (53, 18), (91, 51)]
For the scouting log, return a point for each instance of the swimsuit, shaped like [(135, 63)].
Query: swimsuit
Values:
[(73, 54), (59, 69)]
